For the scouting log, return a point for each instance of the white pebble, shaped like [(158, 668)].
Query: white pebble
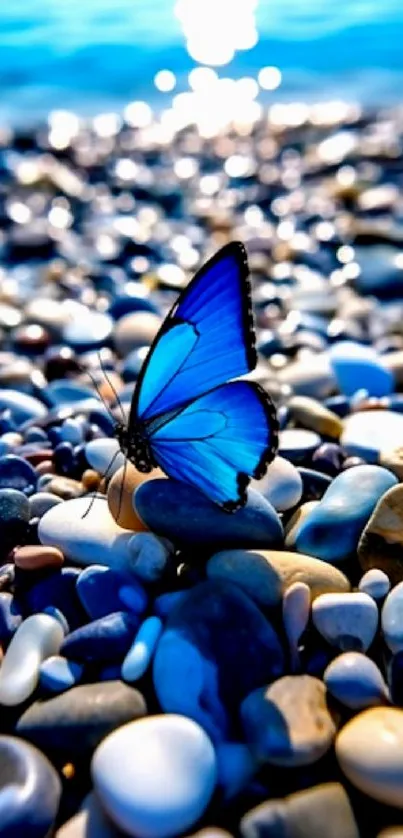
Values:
[(104, 455), (296, 610), (281, 485), (348, 621), (375, 583), (36, 639), (140, 653), (155, 776)]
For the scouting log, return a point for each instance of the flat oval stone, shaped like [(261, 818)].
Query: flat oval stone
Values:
[(22, 406), (155, 776), (357, 366), (17, 473), (392, 619), (313, 415), (188, 518), (296, 444), (348, 621), (30, 790), (296, 611), (136, 329), (120, 495), (87, 329), (288, 723), (332, 530), (316, 812), (36, 557), (76, 721), (375, 583), (266, 574), (281, 485), (37, 638), (106, 639), (98, 588), (356, 681), (381, 542), (149, 556), (369, 749), (368, 432), (95, 538), (57, 674), (142, 649), (216, 647)]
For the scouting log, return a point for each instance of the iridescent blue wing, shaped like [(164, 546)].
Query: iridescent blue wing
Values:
[(219, 442), (206, 339)]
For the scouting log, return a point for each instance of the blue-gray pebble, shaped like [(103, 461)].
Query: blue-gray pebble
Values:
[(29, 790), (185, 516), (106, 639), (392, 619), (332, 530), (17, 473), (98, 588)]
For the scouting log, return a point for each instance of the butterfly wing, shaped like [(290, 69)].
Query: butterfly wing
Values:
[(206, 339), (219, 441)]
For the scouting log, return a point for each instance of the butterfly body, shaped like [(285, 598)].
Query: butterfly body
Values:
[(188, 415)]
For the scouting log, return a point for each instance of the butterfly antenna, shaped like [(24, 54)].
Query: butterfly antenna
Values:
[(113, 388), (103, 477), (95, 384)]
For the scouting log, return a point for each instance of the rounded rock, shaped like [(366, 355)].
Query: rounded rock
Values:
[(155, 777), (57, 674), (125, 481), (149, 556), (381, 542), (281, 485), (392, 619), (369, 749), (311, 414), (296, 444), (136, 329), (296, 610), (37, 638), (368, 432), (107, 639), (355, 680), (288, 723), (37, 557), (348, 621), (104, 455), (30, 790), (375, 583), (266, 574), (359, 367), (98, 588), (142, 649)]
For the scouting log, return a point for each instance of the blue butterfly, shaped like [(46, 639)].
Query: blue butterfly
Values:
[(184, 416)]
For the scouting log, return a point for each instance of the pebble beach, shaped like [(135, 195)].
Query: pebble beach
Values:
[(169, 669)]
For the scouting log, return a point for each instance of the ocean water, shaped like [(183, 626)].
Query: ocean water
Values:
[(92, 55)]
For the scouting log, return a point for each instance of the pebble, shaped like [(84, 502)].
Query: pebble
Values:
[(332, 530), (36, 639), (75, 722), (187, 518), (104, 456), (90, 822), (281, 485), (369, 749), (392, 458), (124, 482), (314, 416), (98, 588), (381, 542), (21, 406), (30, 790), (155, 777), (288, 723), (216, 648), (296, 611), (149, 556), (142, 649), (42, 501), (266, 574), (57, 590), (136, 329), (36, 557), (17, 473), (356, 681), (296, 444), (348, 621), (95, 538), (10, 617), (291, 527), (367, 433), (392, 619), (357, 366), (57, 674), (375, 583), (323, 810), (107, 639), (14, 519)]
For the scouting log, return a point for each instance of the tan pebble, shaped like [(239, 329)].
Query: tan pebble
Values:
[(65, 487), (293, 525), (391, 832), (36, 557), (394, 362), (136, 329), (381, 543), (91, 480), (45, 467), (393, 460), (266, 574), (108, 389), (313, 415), (123, 498), (369, 749), (289, 723)]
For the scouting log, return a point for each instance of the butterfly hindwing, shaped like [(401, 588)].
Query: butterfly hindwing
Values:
[(219, 441), (207, 338)]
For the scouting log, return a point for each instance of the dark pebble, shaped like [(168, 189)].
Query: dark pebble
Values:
[(57, 590), (14, 519), (16, 473), (29, 790), (106, 639)]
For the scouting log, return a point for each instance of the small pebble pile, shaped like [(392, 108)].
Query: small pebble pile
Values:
[(168, 669)]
